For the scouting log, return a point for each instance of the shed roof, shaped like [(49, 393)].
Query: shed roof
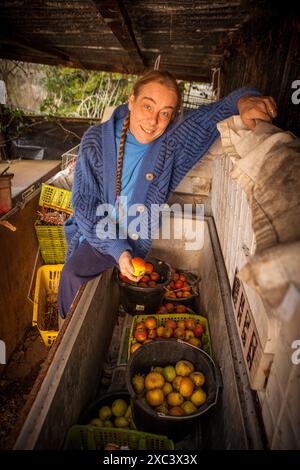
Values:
[(123, 36)]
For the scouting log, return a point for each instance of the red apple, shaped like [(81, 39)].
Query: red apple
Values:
[(169, 307), (140, 324), (152, 334), (152, 284), (171, 323), (179, 333), (145, 279), (186, 294), (149, 268), (179, 294), (181, 309), (178, 285), (190, 324), (170, 295), (154, 276), (139, 266), (198, 330), (182, 277), (150, 323), (161, 309), (140, 335), (175, 277)]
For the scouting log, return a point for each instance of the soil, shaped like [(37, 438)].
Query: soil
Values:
[(17, 381)]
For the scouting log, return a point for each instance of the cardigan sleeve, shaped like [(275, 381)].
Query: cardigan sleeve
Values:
[(87, 200), (198, 130)]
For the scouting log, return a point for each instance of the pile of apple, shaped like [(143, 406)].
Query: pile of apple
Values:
[(148, 330), (179, 287), (174, 390), (150, 278), (116, 415)]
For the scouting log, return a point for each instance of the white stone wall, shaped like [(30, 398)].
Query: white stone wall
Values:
[(280, 399)]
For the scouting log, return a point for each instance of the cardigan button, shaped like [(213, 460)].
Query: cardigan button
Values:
[(149, 176), (134, 236), (140, 208)]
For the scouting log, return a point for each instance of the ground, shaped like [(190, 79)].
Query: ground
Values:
[(17, 381)]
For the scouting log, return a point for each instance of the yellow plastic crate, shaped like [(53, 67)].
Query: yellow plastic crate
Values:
[(46, 289), (56, 198), (52, 241), (163, 317), (85, 437)]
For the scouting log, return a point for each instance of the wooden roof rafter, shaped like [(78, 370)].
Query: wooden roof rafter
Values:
[(117, 19)]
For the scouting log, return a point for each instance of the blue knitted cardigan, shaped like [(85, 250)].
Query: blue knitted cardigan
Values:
[(168, 159)]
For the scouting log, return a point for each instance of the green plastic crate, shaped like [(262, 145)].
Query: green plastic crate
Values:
[(86, 437), (163, 317)]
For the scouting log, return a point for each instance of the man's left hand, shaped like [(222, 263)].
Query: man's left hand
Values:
[(256, 107)]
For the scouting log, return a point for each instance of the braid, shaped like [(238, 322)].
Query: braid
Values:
[(121, 154)]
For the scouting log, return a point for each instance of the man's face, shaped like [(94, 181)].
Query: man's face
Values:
[(151, 111)]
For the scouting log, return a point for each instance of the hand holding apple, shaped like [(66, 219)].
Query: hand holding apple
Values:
[(139, 267), (126, 268)]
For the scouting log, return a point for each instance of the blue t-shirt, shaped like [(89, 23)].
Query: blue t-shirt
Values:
[(132, 159)]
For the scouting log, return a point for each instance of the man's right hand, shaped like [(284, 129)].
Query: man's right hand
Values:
[(126, 267)]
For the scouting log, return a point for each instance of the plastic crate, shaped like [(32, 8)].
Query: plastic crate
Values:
[(163, 317), (52, 241), (85, 437), (47, 281), (56, 198)]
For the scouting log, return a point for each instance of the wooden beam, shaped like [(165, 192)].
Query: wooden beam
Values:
[(23, 43), (117, 19)]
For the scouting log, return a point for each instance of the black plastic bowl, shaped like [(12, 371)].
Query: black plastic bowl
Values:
[(139, 300), (162, 353)]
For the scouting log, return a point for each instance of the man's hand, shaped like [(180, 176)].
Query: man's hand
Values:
[(256, 107), (126, 267)]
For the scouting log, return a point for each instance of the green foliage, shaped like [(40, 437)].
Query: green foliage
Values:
[(82, 93)]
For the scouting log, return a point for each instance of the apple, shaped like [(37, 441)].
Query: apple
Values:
[(178, 285), (195, 342), (179, 294), (170, 295), (160, 331), (145, 279), (140, 324), (168, 332), (175, 277), (152, 284), (152, 334), (171, 323), (154, 276), (150, 323), (171, 285), (181, 309), (149, 268), (140, 335), (181, 324), (169, 307), (190, 324), (188, 334), (162, 309), (179, 333), (186, 294), (135, 347), (139, 267), (182, 277), (198, 330)]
